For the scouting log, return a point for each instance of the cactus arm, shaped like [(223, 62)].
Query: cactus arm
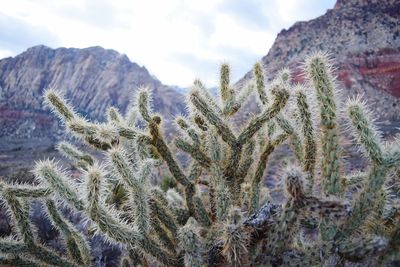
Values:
[(43, 254), (295, 141), (195, 172), (319, 72), (226, 92), (231, 107), (355, 180), (283, 232), (166, 154), (113, 116), (368, 137), (193, 151), (162, 236), (158, 210), (364, 204), (393, 160), (222, 128), (173, 166), (281, 98), (330, 163), (191, 243), (201, 213), (364, 130), (127, 132), (74, 154), (48, 171), (158, 195), (226, 134), (246, 163), (214, 148), (107, 223), (244, 94), (223, 201), (189, 195), (9, 246), (21, 214), (310, 145), (192, 133), (76, 244), (96, 143), (261, 166), (136, 258), (115, 229), (59, 105), (206, 94), (18, 261), (231, 169), (222, 194), (143, 104), (137, 192), (89, 132), (259, 77), (29, 191)]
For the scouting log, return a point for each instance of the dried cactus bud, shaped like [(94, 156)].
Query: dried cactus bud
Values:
[(294, 181)]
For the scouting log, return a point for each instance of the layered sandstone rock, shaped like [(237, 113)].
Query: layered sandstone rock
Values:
[(363, 37)]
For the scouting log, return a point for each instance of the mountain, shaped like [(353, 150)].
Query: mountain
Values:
[(92, 79), (363, 37)]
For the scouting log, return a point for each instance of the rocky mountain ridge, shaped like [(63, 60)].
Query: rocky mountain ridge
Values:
[(363, 37), (92, 78)]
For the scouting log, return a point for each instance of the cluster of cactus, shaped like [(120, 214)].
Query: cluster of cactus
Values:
[(217, 211)]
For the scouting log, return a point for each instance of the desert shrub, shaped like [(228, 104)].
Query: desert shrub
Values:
[(217, 212)]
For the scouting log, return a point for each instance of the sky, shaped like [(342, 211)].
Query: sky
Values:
[(176, 40)]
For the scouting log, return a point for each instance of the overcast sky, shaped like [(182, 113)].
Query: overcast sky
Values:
[(176, 40)]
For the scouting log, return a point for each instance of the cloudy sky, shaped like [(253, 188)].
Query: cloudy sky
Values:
[(176, 40)]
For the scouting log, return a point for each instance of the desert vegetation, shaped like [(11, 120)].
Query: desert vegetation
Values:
[(217, 211)]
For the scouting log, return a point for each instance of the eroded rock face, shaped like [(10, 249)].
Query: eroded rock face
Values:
[(363, 37), (92, 78)]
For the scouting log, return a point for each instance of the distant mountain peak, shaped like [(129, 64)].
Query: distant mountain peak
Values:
[(359, 3)]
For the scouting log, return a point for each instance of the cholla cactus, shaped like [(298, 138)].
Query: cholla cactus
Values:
[(219, 212)]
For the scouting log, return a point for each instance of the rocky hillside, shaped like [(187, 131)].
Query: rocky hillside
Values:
[(363, 37), (93, 79)]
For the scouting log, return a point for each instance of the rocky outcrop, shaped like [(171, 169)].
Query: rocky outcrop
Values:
[(93, 79), (363, 37)]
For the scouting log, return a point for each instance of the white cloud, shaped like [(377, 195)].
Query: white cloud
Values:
[(5, 53), (176, 40)]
